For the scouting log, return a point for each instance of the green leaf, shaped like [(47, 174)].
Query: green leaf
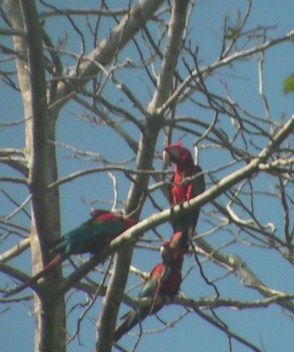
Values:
[(289, 84), (232, 33)]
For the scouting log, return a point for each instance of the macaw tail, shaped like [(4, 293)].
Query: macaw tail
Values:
[(156, 293), (130, 320), (30, 282)]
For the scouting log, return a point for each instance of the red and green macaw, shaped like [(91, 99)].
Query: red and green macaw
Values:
[(184, 186), (90, 237), (165, 278)]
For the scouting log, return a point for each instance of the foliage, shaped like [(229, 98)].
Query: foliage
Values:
[(289, 84)]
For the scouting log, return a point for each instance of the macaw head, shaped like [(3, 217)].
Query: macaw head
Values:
[(177, 154), (172, 256), (95, 213), (106, 215)]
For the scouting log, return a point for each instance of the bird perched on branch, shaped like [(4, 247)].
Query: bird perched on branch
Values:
[(165, 278), (187, 182), (90, 237)]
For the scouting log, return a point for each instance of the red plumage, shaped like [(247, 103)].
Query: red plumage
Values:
[(90, 237), (164, 280), (172, 259), (187, 182)]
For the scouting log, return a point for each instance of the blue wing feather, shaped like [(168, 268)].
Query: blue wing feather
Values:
[(89, 236)]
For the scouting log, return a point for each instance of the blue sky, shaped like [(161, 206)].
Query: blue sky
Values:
[(265, 327)]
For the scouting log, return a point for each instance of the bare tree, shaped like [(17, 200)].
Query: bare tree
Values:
[(137, 81)]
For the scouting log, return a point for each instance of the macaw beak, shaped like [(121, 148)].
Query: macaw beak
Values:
[(164, 248), (171, 154), (165, 157), (167, 252)]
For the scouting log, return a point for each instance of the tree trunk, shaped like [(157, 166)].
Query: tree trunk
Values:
[(50, 332)]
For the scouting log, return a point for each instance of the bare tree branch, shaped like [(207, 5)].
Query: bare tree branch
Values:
[(106, 50), (135, 78)]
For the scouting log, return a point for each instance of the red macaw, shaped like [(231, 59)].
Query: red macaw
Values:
[(168, 252), (90, 237), (166, 276), (184, 187)]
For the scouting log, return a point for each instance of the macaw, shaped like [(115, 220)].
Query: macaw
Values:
[(165, 276), (184, 186), (90, 237), (168, 252)]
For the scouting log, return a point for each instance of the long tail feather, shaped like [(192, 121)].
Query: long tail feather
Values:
[(156, 292), (30, 282), (132, 318)]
